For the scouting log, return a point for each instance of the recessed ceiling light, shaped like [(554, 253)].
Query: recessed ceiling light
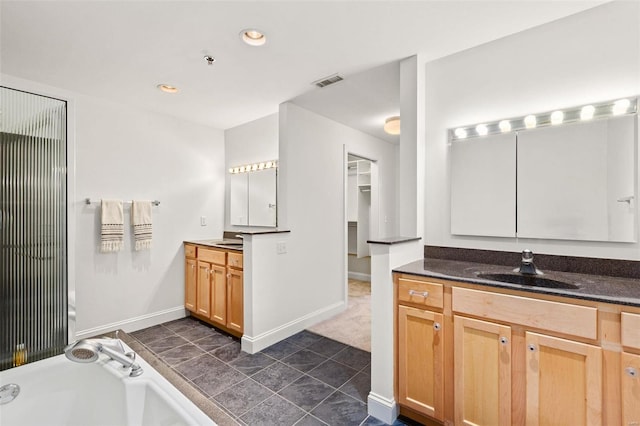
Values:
[(392, 125), (253, 37), (167, 88)]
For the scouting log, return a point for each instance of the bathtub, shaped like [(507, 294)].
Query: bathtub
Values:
[(56, 391)]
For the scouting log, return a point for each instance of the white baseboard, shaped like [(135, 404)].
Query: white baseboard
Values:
[(382, 408), (134, 324), (253, 344), (359, 276)]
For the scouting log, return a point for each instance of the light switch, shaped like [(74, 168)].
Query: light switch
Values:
[(281, 247), (203, 221)]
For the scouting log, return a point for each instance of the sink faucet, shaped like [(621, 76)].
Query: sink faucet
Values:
[(527, 267)]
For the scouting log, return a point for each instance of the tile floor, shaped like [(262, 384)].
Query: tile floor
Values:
[(306, 379)]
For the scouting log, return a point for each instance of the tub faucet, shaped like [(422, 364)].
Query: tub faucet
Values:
[(87, 350), (527, 267)]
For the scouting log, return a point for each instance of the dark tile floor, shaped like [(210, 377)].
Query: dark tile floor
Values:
[(306, 379)]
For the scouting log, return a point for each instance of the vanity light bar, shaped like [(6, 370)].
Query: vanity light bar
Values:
[(272, 164), (625, 106)]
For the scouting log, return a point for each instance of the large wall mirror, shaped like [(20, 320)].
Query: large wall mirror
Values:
[(575, 181), (253, 198)]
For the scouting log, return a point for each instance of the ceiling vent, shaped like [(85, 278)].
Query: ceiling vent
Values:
[(326, 81)]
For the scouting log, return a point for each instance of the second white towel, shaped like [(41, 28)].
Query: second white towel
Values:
[(142, 223)]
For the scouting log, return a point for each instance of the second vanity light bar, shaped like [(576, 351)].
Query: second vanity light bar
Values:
[(552, 118), (254, 167)]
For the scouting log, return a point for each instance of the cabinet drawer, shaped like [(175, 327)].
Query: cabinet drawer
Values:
[(235, 260), (189, 250), (564, 318), (212, 256), (630, 330), (420, 293)]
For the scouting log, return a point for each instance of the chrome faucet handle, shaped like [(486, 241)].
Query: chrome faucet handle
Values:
[(527, 256)]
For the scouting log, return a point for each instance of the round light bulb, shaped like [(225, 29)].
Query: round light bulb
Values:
[(253, 37), (231, 170), (482, 129), (587, 111), (530, 121), (621, 106), (460, 133), (261, 166), (557, 117), (505, 126)]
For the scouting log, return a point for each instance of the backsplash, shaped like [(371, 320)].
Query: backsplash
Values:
[(579, 265)]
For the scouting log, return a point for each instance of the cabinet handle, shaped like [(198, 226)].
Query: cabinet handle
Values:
[(437, 326), (424, 294), (206, 271), (531, 348), (504, 340), (228, 275), (631, 372), (212, 272)]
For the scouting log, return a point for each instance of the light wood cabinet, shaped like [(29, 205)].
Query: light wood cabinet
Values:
[(203, 294), (420, 361), (190, 278), (507, 357), (564, 382), (630, 379), (483, 372), (235, 297), (214, 287), (219, 294)]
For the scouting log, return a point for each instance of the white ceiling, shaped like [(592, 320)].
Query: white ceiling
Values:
[(120, 50)]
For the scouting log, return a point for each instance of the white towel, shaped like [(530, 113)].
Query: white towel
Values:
[(142, 224), (112, 230)]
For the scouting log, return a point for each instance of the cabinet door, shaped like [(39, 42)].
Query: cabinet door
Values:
[(421, 361), (203, 298), (190, 280), (218, 294), (482, 376), (235, 300), (630, 389), (563, 381)]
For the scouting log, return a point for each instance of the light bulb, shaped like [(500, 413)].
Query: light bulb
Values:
[(586, 113), (621, 106), (261, 166), (557, 117), (231, 170), (505, 126), (461, 133), (530, 121), (482, 129)]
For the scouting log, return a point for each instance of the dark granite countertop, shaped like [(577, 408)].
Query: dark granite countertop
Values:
[(227, 244), (622, 291), (392, 240)]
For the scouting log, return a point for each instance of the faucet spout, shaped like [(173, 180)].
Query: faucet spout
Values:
[(527, 267)]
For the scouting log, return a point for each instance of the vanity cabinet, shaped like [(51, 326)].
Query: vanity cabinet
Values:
[(630, 368), (214, 286), (420, 347), (507, 357), (483, 372), (190, 277)]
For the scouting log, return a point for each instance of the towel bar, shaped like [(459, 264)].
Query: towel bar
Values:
[(89, 201)]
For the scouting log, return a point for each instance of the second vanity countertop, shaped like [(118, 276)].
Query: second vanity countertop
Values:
[(227, 244), (622, 291)]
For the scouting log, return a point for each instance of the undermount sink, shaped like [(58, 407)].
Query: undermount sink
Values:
[(529, 280)]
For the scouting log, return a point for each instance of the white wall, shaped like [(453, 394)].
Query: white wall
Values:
[(249, 143), (311, 277), (127, 153), (589, 57)]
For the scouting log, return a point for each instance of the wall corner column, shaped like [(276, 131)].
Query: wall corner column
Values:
[(386, 254)]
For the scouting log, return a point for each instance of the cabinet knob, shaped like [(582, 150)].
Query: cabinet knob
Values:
[(437, 326), (631, 372), (531, 348), (424, 294), (504, 340)]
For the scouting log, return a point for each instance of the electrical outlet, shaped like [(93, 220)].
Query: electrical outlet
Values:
[(203, 221), (281, 247)]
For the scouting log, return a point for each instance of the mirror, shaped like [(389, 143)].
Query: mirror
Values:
[(576, 181), (253, 198)]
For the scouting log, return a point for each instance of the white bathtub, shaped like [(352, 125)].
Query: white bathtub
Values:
[(56, 391)]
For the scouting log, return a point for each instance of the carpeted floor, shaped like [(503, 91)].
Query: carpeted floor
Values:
[(353, 326)]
